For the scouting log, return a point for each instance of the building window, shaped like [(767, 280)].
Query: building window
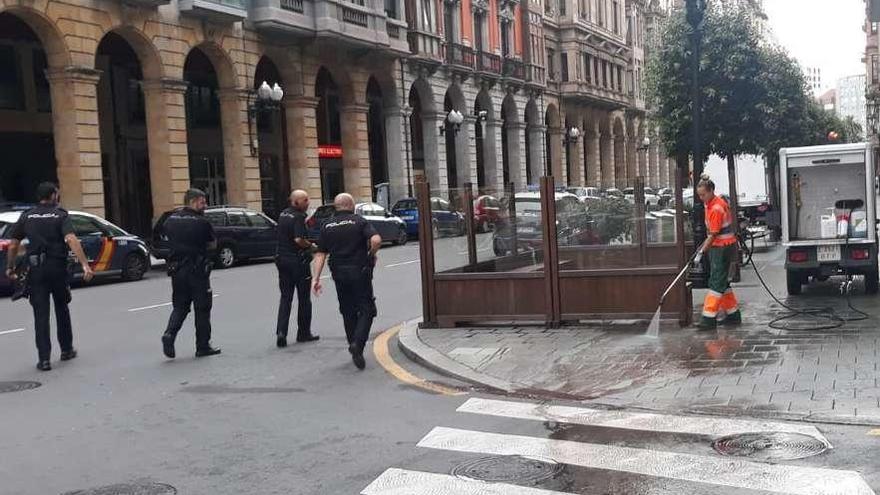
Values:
[(551, 64), (429, 17), (562, 7), (391, 8), (604, 74), (585, 9), (563, 65), (615, 16), (596, 70), (874, 28), (601, 13), (41, 83), (505, 38), (875, 70), (588, 76)]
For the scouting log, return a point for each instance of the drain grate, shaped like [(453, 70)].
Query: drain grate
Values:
[(770, 446), (17, 386), (509, 469), (138, 488)]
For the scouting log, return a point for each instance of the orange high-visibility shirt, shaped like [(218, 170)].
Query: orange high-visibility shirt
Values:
[(719, 222)]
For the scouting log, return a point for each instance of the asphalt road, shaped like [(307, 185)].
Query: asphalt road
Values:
[(303, 420)]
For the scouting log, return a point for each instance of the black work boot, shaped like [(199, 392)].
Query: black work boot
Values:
[(281, 341), (44, 365), (208, 351), (68, 355), (707, 324), (357, 356), (733, 319), (168, 345)]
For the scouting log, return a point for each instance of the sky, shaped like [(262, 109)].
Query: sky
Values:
[(821, 33)]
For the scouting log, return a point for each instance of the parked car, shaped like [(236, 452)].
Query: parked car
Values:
[(242, 234), (585, 194), (111, 251), (573, 224), (612, 192), (391, 228), (487, 211), (651, 199), (444, 218), (666, 194)]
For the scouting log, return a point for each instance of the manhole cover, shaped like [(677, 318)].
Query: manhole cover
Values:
[(145, 488), (508, 468), (770, 446), (17, 386)]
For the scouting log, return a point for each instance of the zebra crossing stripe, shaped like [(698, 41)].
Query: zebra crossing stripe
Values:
[(792, 480), (714, 427), (402, 482)]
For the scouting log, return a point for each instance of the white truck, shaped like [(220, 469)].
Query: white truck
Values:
[(828, 214)]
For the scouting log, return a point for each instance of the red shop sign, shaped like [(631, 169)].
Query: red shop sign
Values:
[(329, 151)]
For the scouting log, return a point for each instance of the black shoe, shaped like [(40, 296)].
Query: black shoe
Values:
[(168, 346), (357, 356), (281, 341), (44, 366), (68, 355), (308, 338), (208, 351)]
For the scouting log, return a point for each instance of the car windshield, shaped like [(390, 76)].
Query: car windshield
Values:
[(372, 210), (325, 211), (406, 204), (112, 229), (4, 226)]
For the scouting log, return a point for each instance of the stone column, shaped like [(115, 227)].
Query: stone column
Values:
[(74, 93), (242, 169), (653, 166), (536, 150), (632, 163), (395, 154), (644, 170), (608, 159), (492, 154), (465, 152), (594, 166), (516, 141), (435, 150), (167, 142), (557, 155), (356, 151), (619, 161), (302, 146), (575, 150)]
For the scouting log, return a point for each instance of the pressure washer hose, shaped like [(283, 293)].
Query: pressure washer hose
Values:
[(826, 313)]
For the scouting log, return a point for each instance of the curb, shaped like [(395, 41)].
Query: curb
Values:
[(421, 353), (412, 346)]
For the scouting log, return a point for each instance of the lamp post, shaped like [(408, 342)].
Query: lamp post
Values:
[(455, 118), (571, 136), (266, 99)]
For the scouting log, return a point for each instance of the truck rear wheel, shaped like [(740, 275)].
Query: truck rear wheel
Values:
[(794, 281)]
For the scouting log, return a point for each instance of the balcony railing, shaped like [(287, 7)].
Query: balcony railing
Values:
[(536, 74), (514, 69), (355, 17), (488, 62), (293, 5), (460, 55), (393, 30), (425, 45)]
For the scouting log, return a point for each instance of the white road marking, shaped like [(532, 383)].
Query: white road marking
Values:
[(154, 306), (723, 471), (402, 263), (714, 427), (14, 330), (403, 482)]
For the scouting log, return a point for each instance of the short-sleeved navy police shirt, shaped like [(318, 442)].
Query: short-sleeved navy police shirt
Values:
[(45, 227), (189, 233), (291, 225), (345, 238)]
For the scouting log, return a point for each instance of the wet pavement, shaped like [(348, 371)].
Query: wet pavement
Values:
[(752, 370)]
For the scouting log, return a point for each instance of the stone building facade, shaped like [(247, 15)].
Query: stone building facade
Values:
[(128, 103)]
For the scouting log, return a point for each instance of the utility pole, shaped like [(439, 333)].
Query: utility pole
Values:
[(695, 12)]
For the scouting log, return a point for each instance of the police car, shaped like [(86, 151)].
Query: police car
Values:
[(111, 251)]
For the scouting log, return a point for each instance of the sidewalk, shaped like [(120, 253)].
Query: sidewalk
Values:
[(752, 370)]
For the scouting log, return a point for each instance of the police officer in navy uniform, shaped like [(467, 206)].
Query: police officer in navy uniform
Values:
[(193, 246), (351, 244), (293, 260), (49, 232)]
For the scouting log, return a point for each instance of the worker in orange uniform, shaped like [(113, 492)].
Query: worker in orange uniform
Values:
[(720, 302)]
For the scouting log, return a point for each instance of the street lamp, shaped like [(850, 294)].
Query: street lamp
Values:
[(265, 99), (571, 136), (455, 118)]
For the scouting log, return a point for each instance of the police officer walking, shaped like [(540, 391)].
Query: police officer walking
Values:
[(293, 260), (351, 244), (192, 242), (49, 232)]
